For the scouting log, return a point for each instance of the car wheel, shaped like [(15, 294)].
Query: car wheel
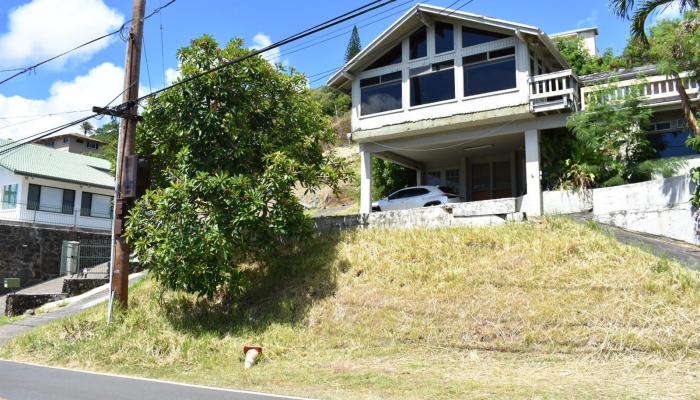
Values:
[(376, 209), (432, 203)]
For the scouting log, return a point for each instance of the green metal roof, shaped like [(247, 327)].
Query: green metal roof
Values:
[(43, 162)]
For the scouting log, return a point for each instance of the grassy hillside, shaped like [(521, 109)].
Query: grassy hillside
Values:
[(548, 309)]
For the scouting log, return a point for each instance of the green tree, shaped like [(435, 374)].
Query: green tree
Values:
[(636, 53), (611, 145), (226, 151), (333, 102), (581, 61), (639, 13), (388, 177), (354, 45), (108, 133), (676, 48), (87, 127)]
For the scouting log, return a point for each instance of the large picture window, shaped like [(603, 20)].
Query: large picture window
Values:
[(668, 138), (50, 199), (418, 44), (96, 205), (9, 196), (432, 83), (444, 37), (380, 93), (472, 37), (391, 57), (489, 72)]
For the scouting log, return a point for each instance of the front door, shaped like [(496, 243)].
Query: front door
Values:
[(491, 180)]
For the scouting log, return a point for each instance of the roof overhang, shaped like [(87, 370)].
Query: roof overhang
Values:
[(418, 15)]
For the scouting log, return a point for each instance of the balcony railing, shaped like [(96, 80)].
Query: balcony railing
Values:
[(555, 92), (19, 212), (656, 90)]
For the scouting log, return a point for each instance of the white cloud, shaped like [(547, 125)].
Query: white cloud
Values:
[(171, 75), (43, 28), (669, 11), (262, 40), (589, 21), (98, 87)]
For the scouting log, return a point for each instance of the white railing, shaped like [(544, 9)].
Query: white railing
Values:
[(555, 91), (67, 218), (657, 89)]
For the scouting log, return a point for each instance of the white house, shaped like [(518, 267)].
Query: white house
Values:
[(465, 99), (72, 142), (47, 186)]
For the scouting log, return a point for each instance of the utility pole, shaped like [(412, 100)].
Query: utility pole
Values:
[(126, 189)]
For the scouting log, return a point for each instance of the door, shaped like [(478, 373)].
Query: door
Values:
[(491, 180)]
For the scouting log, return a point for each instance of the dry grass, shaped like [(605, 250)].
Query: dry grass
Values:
[(550, 309)]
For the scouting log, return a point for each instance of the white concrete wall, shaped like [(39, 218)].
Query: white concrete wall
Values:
[(566, 202)]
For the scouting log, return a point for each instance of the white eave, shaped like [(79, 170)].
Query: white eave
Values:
[(576, 32), (338, 79)]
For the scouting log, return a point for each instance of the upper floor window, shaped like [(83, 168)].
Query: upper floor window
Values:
[(93, 145), (45, 198), (50, 143), (66, 140), (391, 57), (432, 83), (418, 44), (489, 72), (95, 205), (668, 138), (444, 37), (472, 37), (380, 93)]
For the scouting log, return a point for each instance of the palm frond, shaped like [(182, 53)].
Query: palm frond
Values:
[(641, 14), (621, 8)]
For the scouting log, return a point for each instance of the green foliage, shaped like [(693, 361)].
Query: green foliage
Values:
[(354, 45), (636, 53), (333, 102), (581, 61), (639, 13), (695, 197), (108, 133), (87, 128), (388, 177), (226, 150), (611, 147)]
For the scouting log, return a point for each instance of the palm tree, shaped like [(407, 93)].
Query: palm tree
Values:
[(639, 14), (87, 128)]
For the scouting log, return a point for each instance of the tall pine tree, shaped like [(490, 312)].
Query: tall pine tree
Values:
[(354, 45)]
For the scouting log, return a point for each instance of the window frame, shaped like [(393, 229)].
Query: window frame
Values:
[(430, 70), (488, 59), (435, 40), (35, 205), (380, 75), (12, 190), (426, 31), (87, 211)]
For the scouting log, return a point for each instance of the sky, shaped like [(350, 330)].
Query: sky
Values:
[(34, 30)]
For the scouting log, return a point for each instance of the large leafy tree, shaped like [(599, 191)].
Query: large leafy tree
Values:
[(581, 61), (638, 12), (226, 150)]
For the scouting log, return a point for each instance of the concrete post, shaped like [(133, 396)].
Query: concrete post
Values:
[(419, 177), (365, 181), (532, 203)]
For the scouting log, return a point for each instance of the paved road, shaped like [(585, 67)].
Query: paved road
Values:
[(30, 382)]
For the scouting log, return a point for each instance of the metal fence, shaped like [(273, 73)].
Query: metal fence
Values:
[(88, 258), (63, 216)]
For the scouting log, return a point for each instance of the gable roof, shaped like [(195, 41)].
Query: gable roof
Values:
[(43, 162), (400, 28), (74, 134)]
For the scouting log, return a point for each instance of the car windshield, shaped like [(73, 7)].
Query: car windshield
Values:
[(446, 189)]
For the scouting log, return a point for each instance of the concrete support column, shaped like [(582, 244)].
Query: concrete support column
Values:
[(419, 177), (365, 181), (532, 204)]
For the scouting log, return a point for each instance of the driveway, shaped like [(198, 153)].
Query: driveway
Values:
[(31, 382)]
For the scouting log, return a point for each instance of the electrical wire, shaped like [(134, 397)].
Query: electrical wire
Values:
[(16, 145), (145, 57), (89, 42)]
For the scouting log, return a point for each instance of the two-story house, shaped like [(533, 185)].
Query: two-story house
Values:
[(72, 143), (464, 100)]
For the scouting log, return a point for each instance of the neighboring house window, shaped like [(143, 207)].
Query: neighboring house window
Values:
[(489, 72), (96, 205), (9, 196), (79, 140), (391, 57), (432, 83), (418, 44), (50, 143), (380, 93), (668, 138), (66, 140), (444, 37), (92, 145), (45, 198), (472, 37)]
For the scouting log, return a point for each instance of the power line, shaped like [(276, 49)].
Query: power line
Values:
[(41, 135), (89, 42), (162, 51), (45, 115), (145, 56)]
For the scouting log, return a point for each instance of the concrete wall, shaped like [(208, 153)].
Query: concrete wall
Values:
[(566, 202), (659, 207), (33, 252)]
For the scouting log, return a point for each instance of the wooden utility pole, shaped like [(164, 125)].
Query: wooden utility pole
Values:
[(126, 149)]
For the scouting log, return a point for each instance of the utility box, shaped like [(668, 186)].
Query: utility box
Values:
[(11, 283), (70, 257)]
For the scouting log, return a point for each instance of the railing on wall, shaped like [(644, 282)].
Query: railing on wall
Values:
[(69, 217), (658, 89), (557, 91)]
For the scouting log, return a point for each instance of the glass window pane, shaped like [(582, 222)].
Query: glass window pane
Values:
[(472, 37), (51, 199), (444, 37), (85, 204), (508, 51), (474, 58), (418, 44), (392, 56), (671, 144), (68, 201), (380, 98), (489, 77), (33, 197), (101, 206), (9, 196), (452, 180), (433, 87)]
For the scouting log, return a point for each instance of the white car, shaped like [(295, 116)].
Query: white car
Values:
[(416, 196)]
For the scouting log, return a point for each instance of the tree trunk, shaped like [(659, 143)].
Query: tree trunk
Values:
[(687, 108)]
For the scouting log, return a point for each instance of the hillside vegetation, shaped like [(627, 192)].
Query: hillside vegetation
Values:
[(547, 309)]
